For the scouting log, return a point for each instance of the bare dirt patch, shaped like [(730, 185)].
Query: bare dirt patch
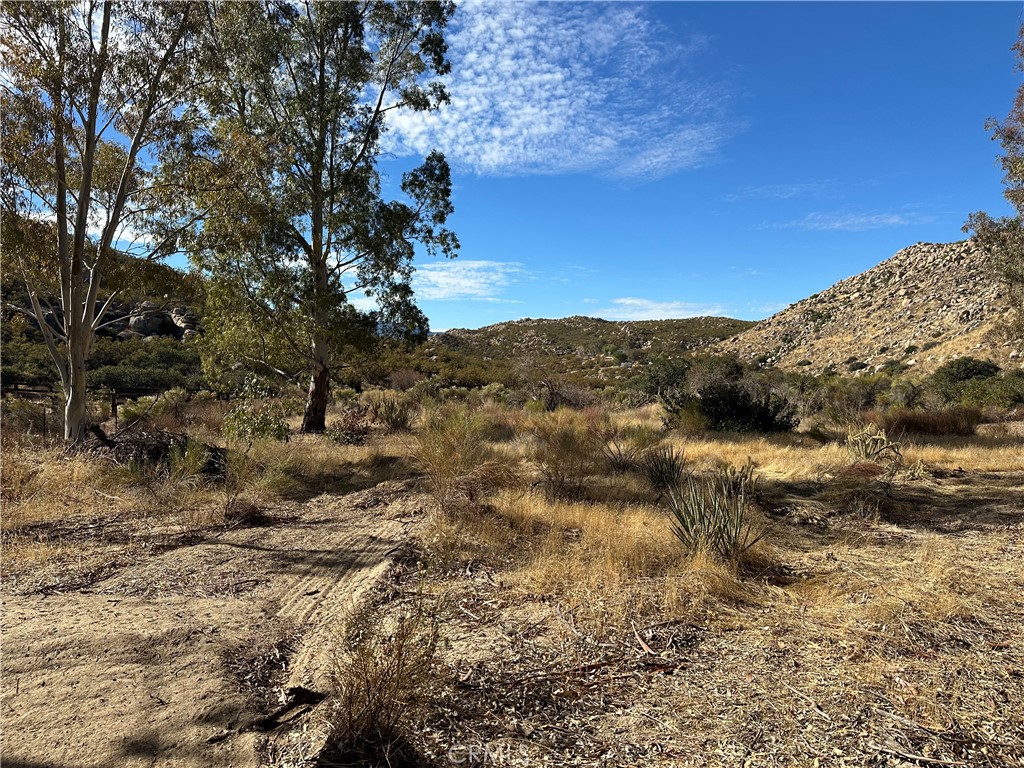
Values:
[(199, 654)]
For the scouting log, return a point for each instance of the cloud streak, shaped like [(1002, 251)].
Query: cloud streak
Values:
[(460, 279), (856, 222), (785, 191), (547, 88), (633, 308)]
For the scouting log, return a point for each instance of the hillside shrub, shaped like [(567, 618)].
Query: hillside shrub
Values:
[(1006, 391)]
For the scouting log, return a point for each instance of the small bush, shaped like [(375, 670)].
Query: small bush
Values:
[(256, 415), (383, 678), (568, 449), (165, 411), (664, 468), (404, 379), (394, 414), (856, 365), (352, 427), (452, 451), (707, 518), (733, 408)]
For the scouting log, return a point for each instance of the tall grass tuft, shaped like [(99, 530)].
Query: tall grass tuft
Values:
[(393, 413), (624, 447)]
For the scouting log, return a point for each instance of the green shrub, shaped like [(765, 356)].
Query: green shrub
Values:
[(1004, 391), (856, 365), (163, 411), (256, 415), (706, 517), (950, 379)]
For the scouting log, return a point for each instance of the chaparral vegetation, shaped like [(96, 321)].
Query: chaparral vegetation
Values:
[(247, 521)]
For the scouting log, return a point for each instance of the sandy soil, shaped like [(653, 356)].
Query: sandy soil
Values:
[(204, 654)]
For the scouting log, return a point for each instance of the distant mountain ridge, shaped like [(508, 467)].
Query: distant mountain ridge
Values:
[(926, 304), (591, 347)]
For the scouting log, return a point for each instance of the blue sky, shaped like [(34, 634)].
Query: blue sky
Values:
[(637, 161)]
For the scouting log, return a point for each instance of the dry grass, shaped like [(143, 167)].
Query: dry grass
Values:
[(891, 630)]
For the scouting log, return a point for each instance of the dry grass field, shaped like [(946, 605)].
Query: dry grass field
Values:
[(532, 591)]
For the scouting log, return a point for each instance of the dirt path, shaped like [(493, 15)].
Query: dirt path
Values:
[(173, 661)]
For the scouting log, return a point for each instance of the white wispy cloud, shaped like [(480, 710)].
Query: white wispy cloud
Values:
[(544, 87), (856, 222), (827, 188), (475, 280), (633, 308)]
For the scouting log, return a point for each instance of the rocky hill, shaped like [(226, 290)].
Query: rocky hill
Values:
[(589, 336), (928, 303)]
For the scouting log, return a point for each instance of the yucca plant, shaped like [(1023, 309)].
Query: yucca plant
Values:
[(623, 448), (705, 517), (664, 468)]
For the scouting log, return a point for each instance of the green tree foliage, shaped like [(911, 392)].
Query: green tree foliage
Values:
[(1003, 238), (298, 218), (950, 379), (92, 95)]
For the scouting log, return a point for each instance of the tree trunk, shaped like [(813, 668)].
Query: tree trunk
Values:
[(315, 417), (75, 412)]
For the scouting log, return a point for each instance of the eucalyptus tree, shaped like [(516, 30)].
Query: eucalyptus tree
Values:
[(303, 222), (1003, 238), (92, 94)]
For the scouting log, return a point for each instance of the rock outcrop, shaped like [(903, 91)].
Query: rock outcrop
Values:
[(928, 303)]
